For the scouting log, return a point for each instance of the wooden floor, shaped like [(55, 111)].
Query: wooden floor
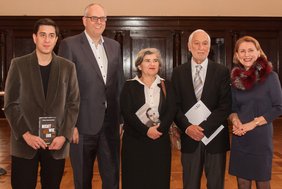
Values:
[(176, 183)]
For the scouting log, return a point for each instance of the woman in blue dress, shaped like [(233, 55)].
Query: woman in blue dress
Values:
[(257, 101)]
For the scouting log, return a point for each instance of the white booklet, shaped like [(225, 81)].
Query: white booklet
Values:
[(148, 116), (199, 113)]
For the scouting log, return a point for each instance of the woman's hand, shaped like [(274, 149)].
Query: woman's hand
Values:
[(238, 130), (153, 133), (237, 126), (242, 129)]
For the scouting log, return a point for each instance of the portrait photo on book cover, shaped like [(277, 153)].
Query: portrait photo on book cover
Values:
[(153, 117)]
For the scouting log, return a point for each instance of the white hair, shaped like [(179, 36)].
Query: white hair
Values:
[(197, 31)]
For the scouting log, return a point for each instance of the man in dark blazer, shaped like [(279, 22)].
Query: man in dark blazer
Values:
[(216, 95), (40, 84), (100, 76)]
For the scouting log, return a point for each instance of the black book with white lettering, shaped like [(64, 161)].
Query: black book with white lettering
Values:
[(47, 129)]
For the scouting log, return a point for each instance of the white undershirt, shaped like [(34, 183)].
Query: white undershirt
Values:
[(152, 93), (100, 55)]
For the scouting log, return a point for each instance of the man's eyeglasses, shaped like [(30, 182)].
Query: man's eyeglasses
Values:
[(96, 18)]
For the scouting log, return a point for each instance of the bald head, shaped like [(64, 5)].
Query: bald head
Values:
[(95, 6)]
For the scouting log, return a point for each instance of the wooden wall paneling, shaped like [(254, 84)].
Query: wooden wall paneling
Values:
[(68, 25), (185, 54), (19, 43), (2, 58), (270, 45), (3, 69), (123, 37), (229, 46), (269, 41), (160, 39), (169, 34), (23, 46), (220, 47), (127, 54), (176, 48), (280, 55)]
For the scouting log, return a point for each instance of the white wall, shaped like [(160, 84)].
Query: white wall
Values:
[(145, 7)]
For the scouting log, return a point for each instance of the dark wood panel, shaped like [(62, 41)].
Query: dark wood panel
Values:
[(168, 34), (269, 41), (2, 57), (162, 40)]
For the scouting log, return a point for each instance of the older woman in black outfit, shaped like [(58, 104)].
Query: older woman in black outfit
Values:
[(257, 101), (146, 151)]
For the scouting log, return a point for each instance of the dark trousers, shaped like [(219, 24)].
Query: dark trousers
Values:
[(194, 163), (84, 154), (24, 171)]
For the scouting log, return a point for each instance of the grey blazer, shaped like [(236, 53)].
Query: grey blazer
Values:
[(96, 96), (25, 102)]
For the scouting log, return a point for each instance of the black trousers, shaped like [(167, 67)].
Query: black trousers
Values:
[(24, 171), (194, 163), (106, 149)]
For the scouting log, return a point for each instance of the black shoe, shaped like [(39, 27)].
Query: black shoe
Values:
[(2, 171)]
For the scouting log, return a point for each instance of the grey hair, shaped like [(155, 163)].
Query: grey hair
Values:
[(93, 4), (142, 53), (196, 31)]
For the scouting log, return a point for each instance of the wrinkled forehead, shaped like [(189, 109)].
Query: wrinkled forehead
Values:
[(200, 36), (150, 56)]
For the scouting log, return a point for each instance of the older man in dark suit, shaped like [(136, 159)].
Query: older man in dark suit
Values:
[(205, 80), (100, 76)]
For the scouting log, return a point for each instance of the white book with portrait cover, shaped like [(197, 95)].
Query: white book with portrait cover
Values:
[(147, 115), (199, 113), (47, 129)]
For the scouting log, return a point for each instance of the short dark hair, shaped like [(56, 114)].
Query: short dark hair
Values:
[(46, 22)]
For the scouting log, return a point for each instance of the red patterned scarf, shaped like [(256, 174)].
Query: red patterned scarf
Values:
[(245, 79)]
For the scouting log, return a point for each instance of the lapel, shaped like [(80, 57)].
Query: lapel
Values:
[(90, 55), (36, 82), (189, 78), (140, 98), (208, 80), (109, 51), (162, 98)]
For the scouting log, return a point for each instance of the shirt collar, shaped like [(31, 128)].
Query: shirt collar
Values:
[(101, 41), (156, 82), (204, 64)]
